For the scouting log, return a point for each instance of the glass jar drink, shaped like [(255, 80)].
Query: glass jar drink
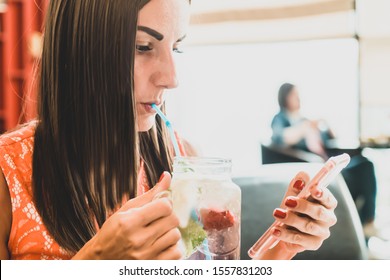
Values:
[(208, 205)]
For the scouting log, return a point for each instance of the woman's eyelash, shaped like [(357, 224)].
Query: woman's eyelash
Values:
[(177, 50), (146, 48), (143, 48)]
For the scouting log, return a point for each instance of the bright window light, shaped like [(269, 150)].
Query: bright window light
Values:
[(228, 93)]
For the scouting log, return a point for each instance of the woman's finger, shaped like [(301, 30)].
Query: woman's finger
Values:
[(325, 197), (305, 241), (296, 185), (304, 224), (161, 226), (172, 253), (139, 201), (167, 240), (312, 209), (150, 212)]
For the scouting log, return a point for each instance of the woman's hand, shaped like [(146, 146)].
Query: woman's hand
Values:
[(142, 229), (306, 222)]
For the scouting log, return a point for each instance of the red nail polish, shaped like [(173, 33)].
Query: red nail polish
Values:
[(161, 177), (280, 214), (290, 202), (299, 185), (277, 232)]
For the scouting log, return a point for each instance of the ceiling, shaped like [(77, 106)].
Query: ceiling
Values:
[(206, 11), (236, 21)]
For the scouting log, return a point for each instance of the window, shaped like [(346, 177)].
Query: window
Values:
[(228, 93)]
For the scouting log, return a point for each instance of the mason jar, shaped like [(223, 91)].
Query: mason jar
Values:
[(208, 205)]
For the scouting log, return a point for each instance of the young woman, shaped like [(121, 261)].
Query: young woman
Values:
[(77, 180)]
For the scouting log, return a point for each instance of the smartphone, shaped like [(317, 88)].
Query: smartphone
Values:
[(322, 179)]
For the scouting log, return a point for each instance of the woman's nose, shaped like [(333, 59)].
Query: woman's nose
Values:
[(166, 73)]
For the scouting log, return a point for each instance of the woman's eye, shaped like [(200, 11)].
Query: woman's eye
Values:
[(177, 50), (143, 48)]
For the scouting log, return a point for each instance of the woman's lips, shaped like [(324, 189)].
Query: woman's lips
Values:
[(148, 108)]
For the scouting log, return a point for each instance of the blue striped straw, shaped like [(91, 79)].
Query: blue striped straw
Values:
[(170, 129), (194, 216)]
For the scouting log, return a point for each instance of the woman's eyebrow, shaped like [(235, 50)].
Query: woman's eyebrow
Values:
[(181, 38), (151, 32)]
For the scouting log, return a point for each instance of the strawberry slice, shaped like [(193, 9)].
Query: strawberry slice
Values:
[(217, 220)]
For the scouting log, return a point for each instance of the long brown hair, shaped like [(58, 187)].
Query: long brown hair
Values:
[(86, 149)]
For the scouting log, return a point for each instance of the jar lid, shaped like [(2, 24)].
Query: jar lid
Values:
[(202, 165)]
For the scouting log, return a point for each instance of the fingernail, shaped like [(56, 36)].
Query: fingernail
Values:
[(290, 202), (280, 214), (277, 232), (299, 185), (318, 193), (161, 177)]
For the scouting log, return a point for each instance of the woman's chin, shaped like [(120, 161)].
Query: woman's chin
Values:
[(146, 124)]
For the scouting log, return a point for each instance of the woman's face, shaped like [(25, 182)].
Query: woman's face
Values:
[(293, 100), (161, 27)]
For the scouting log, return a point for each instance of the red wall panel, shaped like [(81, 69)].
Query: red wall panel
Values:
[(20, 21)]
